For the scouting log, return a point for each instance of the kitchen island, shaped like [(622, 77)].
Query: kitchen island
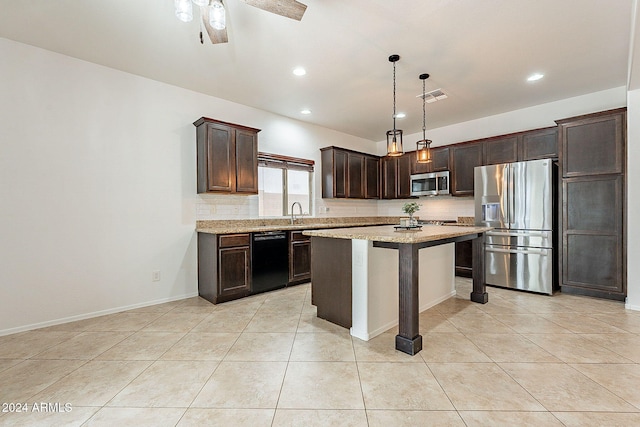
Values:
[(348, 275)]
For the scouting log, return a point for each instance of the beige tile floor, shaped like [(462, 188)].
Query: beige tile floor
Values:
[(267, 360)]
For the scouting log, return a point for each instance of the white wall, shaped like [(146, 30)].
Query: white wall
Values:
[(97, 185)]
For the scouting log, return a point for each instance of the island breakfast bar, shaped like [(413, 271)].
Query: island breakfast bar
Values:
[(408, 244)]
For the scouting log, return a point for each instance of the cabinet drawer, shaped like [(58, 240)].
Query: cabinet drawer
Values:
[(297, 236), (232, 240)]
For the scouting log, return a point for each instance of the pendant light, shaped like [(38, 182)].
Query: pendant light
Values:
[(394, 137), (423, 147)]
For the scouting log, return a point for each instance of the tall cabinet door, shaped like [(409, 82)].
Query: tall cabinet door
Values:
[(592, 151), (355, 173), (372, 178), (220, 158), (389, 177), (246, 158), (464, 158)]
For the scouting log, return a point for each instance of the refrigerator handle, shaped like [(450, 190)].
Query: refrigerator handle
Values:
[(511, 197), (504, 199), (518, 251)]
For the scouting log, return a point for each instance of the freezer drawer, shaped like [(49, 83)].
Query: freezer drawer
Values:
[(517, 267), (519, 238)]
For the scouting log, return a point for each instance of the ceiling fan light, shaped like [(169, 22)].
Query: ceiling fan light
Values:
[(201, 2), (184, 10), (217, 16)]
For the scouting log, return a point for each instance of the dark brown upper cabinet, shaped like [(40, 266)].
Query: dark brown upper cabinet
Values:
[(539, 144), (227, 157), (349, 174), (593, 144), (396, 176), (501, 150), (334, 173), (464, 158)]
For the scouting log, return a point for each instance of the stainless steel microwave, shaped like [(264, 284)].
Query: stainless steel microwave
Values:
[(430, 184)]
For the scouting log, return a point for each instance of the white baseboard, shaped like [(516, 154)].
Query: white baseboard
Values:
[(631, 306), (93, 314)]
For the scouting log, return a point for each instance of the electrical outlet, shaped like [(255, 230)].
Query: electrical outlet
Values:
[(155, 276)]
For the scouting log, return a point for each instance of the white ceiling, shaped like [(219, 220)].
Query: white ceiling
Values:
[(478, 52)]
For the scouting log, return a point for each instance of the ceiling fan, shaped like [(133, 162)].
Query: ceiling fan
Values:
[(213, 14)]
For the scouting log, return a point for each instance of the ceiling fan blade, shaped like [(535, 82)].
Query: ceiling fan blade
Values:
[(289, 8), (216, 36)]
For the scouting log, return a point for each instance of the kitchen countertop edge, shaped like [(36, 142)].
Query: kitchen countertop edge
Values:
[(389, 234)]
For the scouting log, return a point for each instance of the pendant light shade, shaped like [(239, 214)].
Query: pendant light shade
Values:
[(423, 147), (394, 136)]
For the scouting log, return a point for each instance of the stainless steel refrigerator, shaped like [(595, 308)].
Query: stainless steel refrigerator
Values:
[(517, 199)]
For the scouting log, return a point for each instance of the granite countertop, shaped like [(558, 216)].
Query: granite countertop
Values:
[(280, 224), (388, 233)]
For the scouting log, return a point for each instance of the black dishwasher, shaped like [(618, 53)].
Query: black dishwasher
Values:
[(269, 261)]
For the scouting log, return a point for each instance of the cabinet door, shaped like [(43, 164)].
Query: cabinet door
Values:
[(246, 170), (389, 177), (404, 176), (439, 159), (539, 144), (463, 159), (501, 150), (593, 146), (234, 271), (355, 176), (220, 158), (340, 173), (299, 257), (593, 261), (372, 177)]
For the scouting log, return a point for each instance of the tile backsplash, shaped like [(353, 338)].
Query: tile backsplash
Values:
[(223, 206)]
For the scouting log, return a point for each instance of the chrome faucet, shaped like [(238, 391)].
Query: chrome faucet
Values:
[(293, 216)]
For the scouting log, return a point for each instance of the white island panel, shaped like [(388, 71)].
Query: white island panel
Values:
[(375, 303)]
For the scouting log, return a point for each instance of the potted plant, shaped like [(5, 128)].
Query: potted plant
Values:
[(411, 208)]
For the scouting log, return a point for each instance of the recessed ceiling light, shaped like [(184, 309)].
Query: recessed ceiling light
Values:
[(305, 111), (534, 77), (299, 71), (400, 115)]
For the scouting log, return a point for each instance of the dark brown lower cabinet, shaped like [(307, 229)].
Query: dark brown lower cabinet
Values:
[(224, 266), (464, 258), (299, 258)]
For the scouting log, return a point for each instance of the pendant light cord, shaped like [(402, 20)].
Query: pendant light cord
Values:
[(424, 112), (394, 100)]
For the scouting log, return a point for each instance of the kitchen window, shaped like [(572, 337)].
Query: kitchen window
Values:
[(283, 181)]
